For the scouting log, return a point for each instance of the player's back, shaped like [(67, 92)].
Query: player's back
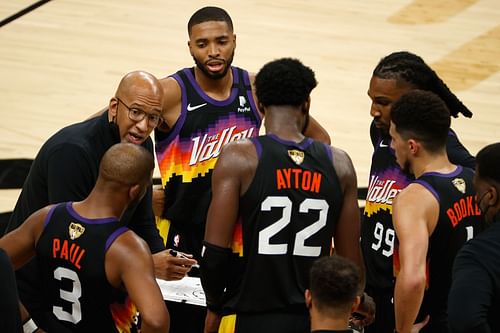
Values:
[(459, 220), (288, 216), (71, 254)]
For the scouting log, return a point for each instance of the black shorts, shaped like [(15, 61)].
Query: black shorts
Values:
[(384, 316), (273, 322)]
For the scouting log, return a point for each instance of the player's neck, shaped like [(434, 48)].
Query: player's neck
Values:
[(219, 89), (281, 122), (319, 322), (100, 205), (433, 163)]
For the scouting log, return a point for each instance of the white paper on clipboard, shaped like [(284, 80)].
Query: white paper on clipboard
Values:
[(188, 290)]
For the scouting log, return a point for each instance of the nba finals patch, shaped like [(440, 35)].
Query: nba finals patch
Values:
[(297, 156), (75, 230), (459, 183)]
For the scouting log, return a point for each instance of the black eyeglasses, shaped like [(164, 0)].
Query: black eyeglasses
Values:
[(136, 114)]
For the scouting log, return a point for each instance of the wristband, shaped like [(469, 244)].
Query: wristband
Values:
[(29, 326)]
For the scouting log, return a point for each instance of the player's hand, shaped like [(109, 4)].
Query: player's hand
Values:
[(212, 322), (158, 200), (418, 326), (364, 315), (172, 267)]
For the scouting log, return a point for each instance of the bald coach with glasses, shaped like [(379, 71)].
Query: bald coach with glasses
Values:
[(67, 166)]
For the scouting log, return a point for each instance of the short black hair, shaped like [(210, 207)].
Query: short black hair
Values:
[(422, 115), (334, 283), (207, 14), (488, 162), (412, 69), (284, 81)]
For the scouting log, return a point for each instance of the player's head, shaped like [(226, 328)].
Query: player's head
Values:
[(419, 121), (334, 284), (400, 72), (136, 107), (210, 13), (126, 168), (487, 180), (212, 41)]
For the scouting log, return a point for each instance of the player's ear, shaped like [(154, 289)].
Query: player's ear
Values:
[(306, 105), (112, 108), (355, 303), (308, 298), (134, 192)]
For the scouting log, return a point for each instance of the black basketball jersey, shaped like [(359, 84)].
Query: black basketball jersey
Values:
[(287, 220), (378, 238), (459, 220), (70, 253), (187, 154)]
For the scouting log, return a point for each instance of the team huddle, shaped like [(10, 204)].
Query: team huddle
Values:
[(269, 223)]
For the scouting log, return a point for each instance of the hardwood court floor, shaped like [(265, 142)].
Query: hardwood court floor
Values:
[(62, 62)]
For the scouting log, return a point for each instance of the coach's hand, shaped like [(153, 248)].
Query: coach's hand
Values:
[(170, 267)]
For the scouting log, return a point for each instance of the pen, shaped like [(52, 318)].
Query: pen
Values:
[(182, 255)]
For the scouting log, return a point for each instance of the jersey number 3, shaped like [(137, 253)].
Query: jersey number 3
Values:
[(71, 296), (299, 249)]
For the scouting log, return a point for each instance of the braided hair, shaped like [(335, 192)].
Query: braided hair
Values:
[(413, 70)]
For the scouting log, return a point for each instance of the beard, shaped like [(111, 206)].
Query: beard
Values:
[(209, 74)]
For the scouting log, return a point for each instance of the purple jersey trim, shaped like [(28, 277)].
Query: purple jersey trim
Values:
[(303, 145), (429, 187), (255, 110), (229, 100), (49, 215), (72, 212), (113, 236), (457, 171), (258, 147), (329, 152)]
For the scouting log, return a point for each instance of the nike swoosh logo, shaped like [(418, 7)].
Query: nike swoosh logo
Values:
[(382, 145), (192, 108)]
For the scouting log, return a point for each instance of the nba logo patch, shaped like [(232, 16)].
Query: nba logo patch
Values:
[(459, 183), (297, 156), (75, 230)]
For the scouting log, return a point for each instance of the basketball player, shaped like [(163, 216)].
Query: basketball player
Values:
[(433, 216), (66, 168), (395, 74), (333, 294), (474, 298), (96, 272), (277, 202)]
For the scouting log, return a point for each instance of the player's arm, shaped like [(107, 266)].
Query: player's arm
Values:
[(20, 243), (414, 212), (129, 261), (230, 179), (347, 232), (172, 101)]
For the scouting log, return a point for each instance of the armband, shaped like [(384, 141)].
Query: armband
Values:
[(213, 273), (29, 326)]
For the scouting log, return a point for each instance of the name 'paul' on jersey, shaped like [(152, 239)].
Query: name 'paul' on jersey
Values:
[(287, 220)]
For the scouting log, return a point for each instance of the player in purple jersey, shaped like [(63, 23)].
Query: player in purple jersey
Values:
[(96, 272), (433, 216)]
